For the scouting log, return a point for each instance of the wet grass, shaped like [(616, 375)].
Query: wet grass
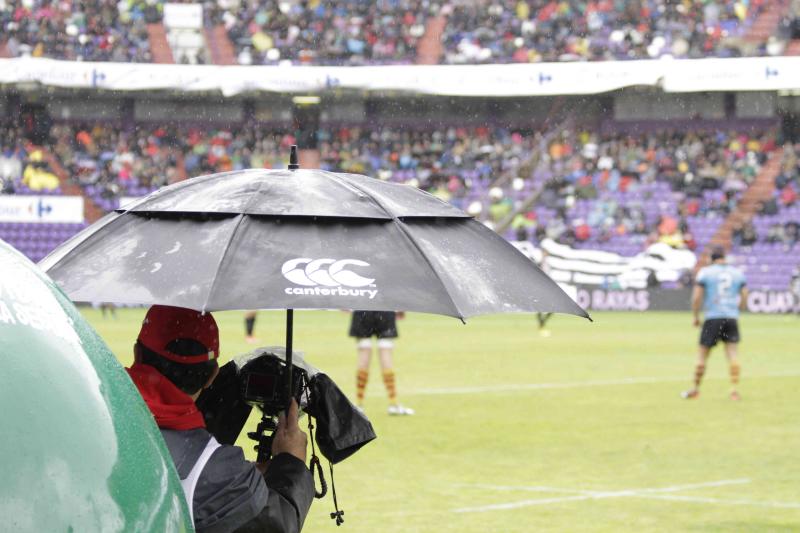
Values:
[(581, 431)]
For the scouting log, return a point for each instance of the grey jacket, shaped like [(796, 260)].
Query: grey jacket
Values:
[(232, 495)]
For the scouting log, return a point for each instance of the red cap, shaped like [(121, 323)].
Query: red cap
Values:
[(164, 324)]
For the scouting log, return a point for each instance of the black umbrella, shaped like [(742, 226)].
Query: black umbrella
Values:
[(300, 239)]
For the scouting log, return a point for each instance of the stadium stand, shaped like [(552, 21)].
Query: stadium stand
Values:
[(613, 192), (459, 165), (766, 245), (12, 159), (693, 171), (615, 189), (23, 169), (37, 239), (267, 32), (522, 32), (617, 193), (109, 162), (78, 31), (323, 33)]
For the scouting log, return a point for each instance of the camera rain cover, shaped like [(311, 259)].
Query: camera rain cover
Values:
[(341, 429)]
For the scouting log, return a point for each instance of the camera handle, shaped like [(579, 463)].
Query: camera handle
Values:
[(264, 441)]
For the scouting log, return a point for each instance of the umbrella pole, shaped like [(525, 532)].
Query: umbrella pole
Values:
[(293, 165), (289, 327)]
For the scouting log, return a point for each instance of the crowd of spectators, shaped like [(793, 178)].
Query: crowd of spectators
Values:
[(220, 150), (111, 162), (23, 170), (447, 162), (451, 163), (12, 159), (93, 30), (782, 210), (357, 32), (591, 188), (647, 187), (490, 31), (544, 30), (322, 33), (594, 190)]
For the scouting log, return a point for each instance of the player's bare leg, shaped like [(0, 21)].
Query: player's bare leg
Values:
[(732, 353), (385, 349), (699, 372), (362, 369)]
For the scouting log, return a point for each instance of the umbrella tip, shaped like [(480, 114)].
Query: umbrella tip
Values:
[(293, 164)]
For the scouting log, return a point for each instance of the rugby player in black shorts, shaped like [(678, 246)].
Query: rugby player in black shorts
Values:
[(382, 325), (721, 291)]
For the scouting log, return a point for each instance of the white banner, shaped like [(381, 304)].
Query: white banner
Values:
[(740, 74), (183, 16), (685, 75), (50, 209)]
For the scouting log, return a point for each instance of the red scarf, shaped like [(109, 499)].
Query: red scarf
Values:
[(171, 407)]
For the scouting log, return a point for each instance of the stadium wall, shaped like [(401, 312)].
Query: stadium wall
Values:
[(596, 112)]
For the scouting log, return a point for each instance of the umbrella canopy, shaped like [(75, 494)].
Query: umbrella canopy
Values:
[(301, 239), (80, 450)]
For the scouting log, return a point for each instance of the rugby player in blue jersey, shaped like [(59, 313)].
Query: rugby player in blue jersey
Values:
[(720, 291)]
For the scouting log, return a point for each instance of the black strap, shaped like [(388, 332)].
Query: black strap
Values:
[(315, 466), (339, 514)]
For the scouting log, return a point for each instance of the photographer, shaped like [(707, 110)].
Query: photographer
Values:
[(175, 359)]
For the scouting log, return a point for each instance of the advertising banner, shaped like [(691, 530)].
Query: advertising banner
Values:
[(741, 74), (758, 301), (634, 299), (569, 267), (45, 209), (519, 79)]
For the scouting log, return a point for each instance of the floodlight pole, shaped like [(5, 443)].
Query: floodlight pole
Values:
[(293, 165)]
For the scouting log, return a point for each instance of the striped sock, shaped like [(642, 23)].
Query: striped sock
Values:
[(699, 371), (361, 385), (389, 381), (735, 370)]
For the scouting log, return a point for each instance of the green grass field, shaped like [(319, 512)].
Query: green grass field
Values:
[(582, 431)]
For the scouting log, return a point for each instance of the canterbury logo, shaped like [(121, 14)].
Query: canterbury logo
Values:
[(327, 277)]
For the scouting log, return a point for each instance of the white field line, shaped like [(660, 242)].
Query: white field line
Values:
[(578, 495), (696, 499), (671, 488), (523, 387)]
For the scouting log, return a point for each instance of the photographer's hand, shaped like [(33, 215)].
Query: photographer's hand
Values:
[(288, 437)]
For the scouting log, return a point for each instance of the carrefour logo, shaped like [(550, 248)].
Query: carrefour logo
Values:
[(328, 277)]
